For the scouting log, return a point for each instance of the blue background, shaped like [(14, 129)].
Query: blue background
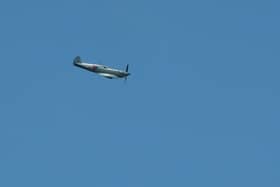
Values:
[(201, 107)]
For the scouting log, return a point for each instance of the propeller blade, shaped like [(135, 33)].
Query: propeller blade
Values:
[(126, 69)]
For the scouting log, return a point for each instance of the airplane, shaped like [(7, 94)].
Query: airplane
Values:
[(102, 70)]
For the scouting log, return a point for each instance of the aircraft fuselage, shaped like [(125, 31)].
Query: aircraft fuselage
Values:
[(101, 69)]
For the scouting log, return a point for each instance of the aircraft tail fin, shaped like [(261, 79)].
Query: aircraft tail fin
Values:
[(77, 60)]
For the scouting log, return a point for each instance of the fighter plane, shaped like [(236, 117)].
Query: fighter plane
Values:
[(102, 70)]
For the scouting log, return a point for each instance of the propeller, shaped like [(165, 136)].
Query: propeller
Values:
[(126, 69)]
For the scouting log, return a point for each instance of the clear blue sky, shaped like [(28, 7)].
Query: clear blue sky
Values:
[(202, 107)]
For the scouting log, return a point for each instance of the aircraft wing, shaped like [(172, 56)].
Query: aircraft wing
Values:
[(107, 75)]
